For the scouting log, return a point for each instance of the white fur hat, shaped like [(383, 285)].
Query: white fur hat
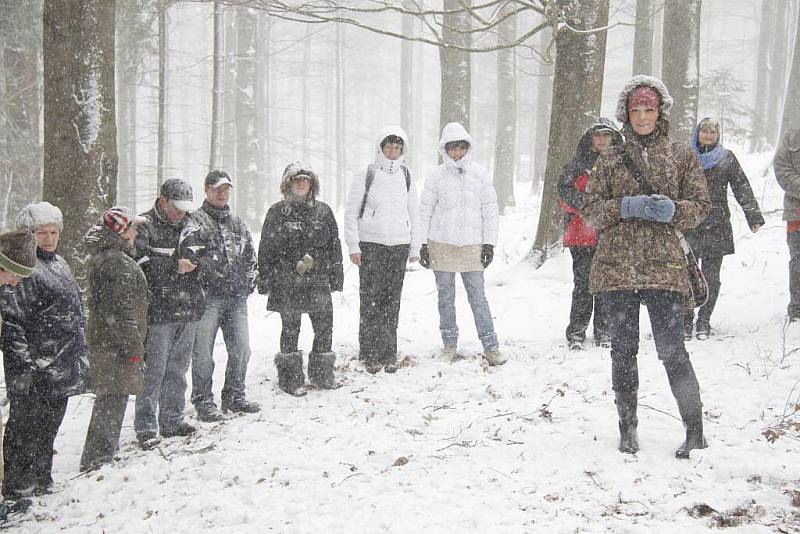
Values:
[(34, 216)]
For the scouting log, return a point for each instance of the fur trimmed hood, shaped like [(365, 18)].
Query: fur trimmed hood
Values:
[(296, 168), (643, 81)]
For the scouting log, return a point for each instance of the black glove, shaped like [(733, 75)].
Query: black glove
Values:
[(487, 255), (424, 257)]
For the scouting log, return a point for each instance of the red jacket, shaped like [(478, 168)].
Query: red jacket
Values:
[(578, 233)]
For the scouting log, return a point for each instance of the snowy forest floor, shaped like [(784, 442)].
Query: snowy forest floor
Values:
[(459, 447)]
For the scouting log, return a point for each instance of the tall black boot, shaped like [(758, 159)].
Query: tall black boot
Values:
[(320, 370), (686, 390), (290, 373), (626, 409)]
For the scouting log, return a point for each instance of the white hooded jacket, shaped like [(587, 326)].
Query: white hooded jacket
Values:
[(459, 204), (391, 215)]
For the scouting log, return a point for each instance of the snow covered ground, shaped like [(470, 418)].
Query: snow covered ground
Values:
[(441, 447)]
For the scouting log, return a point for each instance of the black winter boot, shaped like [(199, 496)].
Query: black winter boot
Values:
[(626, 409), (290, 373), (320, 370), (686, 390)]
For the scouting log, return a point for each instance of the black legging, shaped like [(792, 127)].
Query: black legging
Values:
[(321, 322), (711, 267)]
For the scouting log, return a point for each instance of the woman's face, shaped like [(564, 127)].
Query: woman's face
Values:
[(457, 151), (392, 151), (643, 119), (300, 186), (47, 237), (707, 136)]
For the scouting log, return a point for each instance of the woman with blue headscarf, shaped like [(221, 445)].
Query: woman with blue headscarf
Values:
[(712, 239)]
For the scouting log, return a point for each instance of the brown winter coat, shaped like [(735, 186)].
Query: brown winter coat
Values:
[(634, 253), (787, 171), (117, 325)]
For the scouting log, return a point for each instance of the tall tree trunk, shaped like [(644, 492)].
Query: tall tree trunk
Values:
[(643, 38), (264, 105), (680, 64), (791, 110), (248, 159), (341, 130), (163, 52), (580, 60), (407, 77), (455, 66), (217, 91), (306, 104), (80, 135), (759, 134), (777, 80), (506, 137), (20, 149), (544, 102), (229, 93)]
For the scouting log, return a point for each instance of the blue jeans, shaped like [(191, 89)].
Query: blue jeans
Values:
[(167, 357), (229, 314), (473, 283)]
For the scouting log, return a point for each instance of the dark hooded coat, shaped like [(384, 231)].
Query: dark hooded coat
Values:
[(118, 306), (292, 229), (43, 341), (635, 253), (714, 236), (572, 184)]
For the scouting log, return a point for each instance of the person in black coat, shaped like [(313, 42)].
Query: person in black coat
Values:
[(299, 265), (44, 356), (579, 236), (712, 239)]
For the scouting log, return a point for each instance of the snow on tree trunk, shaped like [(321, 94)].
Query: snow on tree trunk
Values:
[(778, 65), (505, 139), (20, 150), (544, 100), (341, 156), (80, 134), (680, 64), (455, 65), (248, 190), (264, 107), (163, 55), (643, 38), (791, 110), (215, 152), (759, 134), (407, 77), (577, 90)]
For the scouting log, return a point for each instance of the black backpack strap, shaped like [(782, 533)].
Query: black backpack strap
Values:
[(367, 184), (408, 177), (644, 187)]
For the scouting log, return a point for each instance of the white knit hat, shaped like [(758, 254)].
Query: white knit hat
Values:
[(34, 216)]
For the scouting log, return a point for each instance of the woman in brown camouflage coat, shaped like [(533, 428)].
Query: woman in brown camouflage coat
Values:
[(639, 259)]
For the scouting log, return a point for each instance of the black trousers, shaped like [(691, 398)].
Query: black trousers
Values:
[(321, 322), (383, 269), (31, 429), (665, 309), (583, 303), (102, 438), (711, 267)]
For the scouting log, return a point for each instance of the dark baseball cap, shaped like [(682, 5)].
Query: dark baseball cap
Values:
[(179, 192), (218, 178)]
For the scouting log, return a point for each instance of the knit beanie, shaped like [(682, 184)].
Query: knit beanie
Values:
[(645, 96), (34, 216), (18, 252)]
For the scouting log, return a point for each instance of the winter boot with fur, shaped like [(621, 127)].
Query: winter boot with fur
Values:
[(320, 370), (686, 390), (290, 373), (628, 422)]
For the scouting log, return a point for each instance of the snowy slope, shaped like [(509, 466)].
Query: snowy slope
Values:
[(441, 447)]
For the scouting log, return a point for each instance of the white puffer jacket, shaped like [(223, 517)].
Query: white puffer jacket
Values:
[(459, 204), (391, 216)]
